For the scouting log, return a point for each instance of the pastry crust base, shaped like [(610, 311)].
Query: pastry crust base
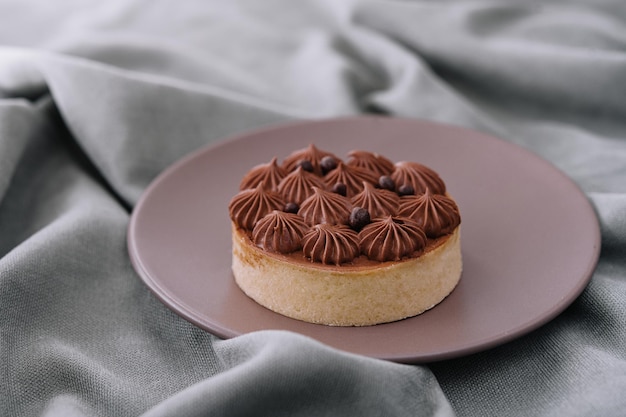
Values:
[(346, 296)]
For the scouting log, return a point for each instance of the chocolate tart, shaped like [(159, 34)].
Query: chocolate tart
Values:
[(345, 243)]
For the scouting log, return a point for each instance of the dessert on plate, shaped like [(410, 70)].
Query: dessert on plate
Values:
[(345, 242)]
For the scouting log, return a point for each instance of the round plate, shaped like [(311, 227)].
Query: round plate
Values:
[(530, 238)]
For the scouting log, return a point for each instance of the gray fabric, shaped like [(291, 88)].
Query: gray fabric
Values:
[(97, 98)]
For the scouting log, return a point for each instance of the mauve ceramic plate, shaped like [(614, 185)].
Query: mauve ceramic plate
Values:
[(530, 238)]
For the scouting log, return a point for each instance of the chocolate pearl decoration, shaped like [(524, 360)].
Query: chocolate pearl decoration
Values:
[(328, 163), (291, 208), (359, 218), (406, 189), (306, 165), (385, 182), (340, 188)]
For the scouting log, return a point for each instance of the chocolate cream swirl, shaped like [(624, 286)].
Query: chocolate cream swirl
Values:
[(311, 154), (249, 206), (298, 185), (370, 161), (437, 214), (279, 232), (269, 174), (351, 176), (418, 176), (331, 244), (377, 201), (391, 239), (325, 207)]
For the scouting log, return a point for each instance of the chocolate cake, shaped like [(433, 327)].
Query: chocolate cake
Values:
[(352, 242)]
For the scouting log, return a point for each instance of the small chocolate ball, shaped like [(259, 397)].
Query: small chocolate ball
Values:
[(406, 189), (291, 208), (359, 218), (305, 164), (328, 163), (340, 188), (386, 183)]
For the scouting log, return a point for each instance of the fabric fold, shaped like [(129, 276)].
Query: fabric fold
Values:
[(284, 374)]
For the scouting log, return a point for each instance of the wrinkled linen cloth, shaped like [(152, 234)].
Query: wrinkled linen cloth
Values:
[(97, 98)]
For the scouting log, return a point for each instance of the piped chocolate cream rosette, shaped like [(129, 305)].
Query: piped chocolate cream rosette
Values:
[(347, 243)]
